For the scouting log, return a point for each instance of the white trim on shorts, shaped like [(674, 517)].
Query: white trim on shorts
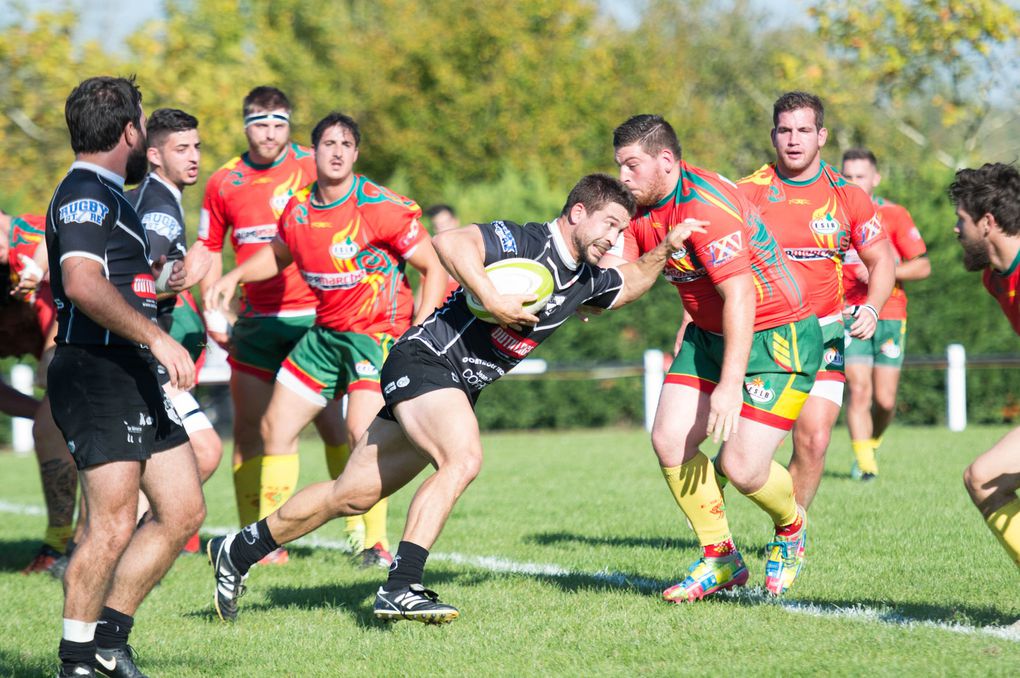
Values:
[(287, 378), (829, 389)]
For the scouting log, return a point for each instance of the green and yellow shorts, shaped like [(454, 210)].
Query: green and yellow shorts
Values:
[(326, 364), (780, 369), (260, 343), (187, 327), (885, 348)]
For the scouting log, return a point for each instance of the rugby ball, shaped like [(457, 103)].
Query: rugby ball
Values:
[(516, 276)]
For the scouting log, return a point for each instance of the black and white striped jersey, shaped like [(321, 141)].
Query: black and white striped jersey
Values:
[(90, 217), (482, 352), (158, 204)]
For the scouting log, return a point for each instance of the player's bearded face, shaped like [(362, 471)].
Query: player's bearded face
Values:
[(267, 138), (137, 162), (798, 141), (975, 247), (642, 174)]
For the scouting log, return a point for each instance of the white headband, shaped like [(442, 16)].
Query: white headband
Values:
[(252, 118)]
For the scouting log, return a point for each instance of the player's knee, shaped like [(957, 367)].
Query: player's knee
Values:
[(669, 451), (114, 530), (860, 391), (977, 478), (810, 443), (208, 453), (885, 401)]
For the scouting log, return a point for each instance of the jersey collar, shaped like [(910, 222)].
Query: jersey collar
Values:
[(561, 246), (339, 201), (806, 182), (1012, 267), (254, 165), (176, 192), (101, 171)]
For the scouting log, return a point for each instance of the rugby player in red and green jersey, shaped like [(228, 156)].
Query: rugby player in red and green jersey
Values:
[(746, 363), (245, 197), (987, 203), (349, 238), (816, 215), (873, 365)]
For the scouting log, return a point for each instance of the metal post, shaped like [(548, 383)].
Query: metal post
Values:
[(22, 378), (956, 387), (654, 375)]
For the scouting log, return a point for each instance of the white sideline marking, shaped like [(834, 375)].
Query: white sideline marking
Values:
[(859, 613)]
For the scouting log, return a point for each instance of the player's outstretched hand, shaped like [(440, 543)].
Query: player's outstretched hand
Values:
[(28, 281), (863, 320), (197, 263), (218, 296), (176, 360), (682, 231), (725, 404), (508, 310)]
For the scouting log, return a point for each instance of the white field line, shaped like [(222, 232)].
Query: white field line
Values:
[(858, 613)]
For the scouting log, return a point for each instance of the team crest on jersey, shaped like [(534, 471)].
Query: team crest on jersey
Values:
[(725, 248), (83, 211), (827, 225), (344, 250), (162, 224), (890, 349), (506, 239), (760, 390)]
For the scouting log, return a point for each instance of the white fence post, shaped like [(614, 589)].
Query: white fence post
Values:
[(956, 387), (653, 384), (22, 378)]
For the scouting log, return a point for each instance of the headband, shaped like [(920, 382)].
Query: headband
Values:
[(252, 118)]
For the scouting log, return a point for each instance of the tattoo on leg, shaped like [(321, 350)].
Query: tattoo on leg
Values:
[(60, 481)]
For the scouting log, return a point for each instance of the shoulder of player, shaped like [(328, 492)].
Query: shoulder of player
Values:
[(78, 190), (761, 177), (371, 195)]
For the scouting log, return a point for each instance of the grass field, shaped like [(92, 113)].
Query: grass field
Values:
[(556, 556)]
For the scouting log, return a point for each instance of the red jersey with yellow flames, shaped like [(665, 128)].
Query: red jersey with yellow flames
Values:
[(816, 222), (736, 242), (247, 199), (907, 242), (351, 254)]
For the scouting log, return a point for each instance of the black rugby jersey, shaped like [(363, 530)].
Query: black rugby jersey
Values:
[(90, 217), (483, 352), (158, 204)]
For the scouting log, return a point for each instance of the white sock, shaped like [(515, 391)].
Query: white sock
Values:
[(79, 631)]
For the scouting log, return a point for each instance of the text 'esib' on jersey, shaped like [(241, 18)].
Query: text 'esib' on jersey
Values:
[(247, 199), (351, 253), (815, 221), (906, 240), (90, 217), (735, 242), (483, 352), (158, 204)]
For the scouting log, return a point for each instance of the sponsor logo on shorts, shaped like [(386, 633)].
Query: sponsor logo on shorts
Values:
[(832, 357), (344, 250), (890, 349), (759, 390), (511, 344), (390, 388), (162, 224), (827, 225), (144, 286), (506, 238), (343, 280), (255, 235), (394, 385), (83, 211), (366, 369)]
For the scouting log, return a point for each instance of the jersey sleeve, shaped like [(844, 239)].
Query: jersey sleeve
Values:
[(403, 229), (502, 239), (84, 224), (212, 223), (606, 285), (865, 227), (163, 231), (903, 233), (285, 224), (629, 245), (724, 248)]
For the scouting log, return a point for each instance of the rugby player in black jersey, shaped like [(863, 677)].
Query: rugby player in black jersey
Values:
[(119, 426), (433, 376)]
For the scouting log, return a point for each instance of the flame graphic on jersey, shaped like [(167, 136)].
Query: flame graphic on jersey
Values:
[(826, 214), (283, 192), (353, 258)]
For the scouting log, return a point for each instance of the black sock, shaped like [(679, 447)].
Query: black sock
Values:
[(72, 653), (250, 545), (113, 629), (69, 549), (408, 566)]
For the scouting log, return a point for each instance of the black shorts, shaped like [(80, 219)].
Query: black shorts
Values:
[(413, 369), (108, 403)]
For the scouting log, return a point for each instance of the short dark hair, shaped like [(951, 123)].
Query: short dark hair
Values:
[(266, 98), (433, 211), (652, 132), (333, 119), (860, 154), (165, 121), (792, 101), (994, 189), (98, 109), (595, 191)]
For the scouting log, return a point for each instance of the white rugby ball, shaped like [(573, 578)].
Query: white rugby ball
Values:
[(516, 276)]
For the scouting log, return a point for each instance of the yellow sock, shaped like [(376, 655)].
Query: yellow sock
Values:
[(864, 450), (246, 489), (56, 537), (776, 496), (696, 491), (1005, 525), (375, 525), (336, 458), (278, 480), (876, 442)]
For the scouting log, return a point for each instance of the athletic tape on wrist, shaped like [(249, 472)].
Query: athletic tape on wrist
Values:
[(215, 321), (252, 118), (164, 277)]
